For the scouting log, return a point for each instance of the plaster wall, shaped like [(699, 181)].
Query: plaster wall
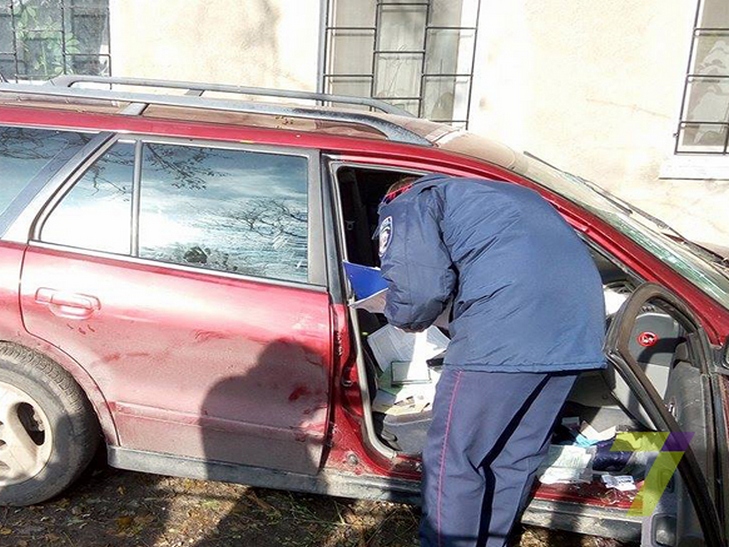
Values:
[(265, 43), (595, 88)]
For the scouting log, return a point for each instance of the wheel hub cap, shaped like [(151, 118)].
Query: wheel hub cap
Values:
[(25, 436)]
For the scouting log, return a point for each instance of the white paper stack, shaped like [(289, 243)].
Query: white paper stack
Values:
[(407, 383)]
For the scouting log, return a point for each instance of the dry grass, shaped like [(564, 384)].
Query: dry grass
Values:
[(114, 508)]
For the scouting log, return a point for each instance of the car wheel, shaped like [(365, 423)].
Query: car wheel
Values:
[(48, 430)]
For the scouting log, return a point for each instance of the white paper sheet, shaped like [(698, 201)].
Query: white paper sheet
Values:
[(404, 399), (373, 304), (566, 464), (624, 483)]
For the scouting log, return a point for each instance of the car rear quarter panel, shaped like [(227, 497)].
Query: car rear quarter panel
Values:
[(13, 330)]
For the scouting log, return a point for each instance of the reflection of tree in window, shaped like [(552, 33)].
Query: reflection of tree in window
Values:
[(44, 38), (96, 213), (230, 210), (186, 168), (187, 165), (103, 178), (29, 153)]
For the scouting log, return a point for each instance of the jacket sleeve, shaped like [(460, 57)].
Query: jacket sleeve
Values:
[(414, 261)]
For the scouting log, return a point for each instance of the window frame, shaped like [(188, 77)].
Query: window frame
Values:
[(329, 75), (316, 267), (699, 30), (68, 13), (696, 165)]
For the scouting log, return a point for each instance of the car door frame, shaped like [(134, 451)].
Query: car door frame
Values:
[(618, 353), (720, 386)]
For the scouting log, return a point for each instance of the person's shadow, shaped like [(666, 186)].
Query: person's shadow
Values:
[(267, 428)]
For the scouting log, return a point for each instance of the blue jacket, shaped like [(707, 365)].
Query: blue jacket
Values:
[(526, 294)]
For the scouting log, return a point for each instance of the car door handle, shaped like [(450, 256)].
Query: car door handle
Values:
[(67, 304)]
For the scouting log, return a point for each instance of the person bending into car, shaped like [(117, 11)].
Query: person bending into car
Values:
[(527, 317)]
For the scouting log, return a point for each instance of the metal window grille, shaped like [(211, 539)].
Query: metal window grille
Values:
[(415, 54), (704, 123), (41, 39)]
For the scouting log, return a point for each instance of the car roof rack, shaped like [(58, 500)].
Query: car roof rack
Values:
[(66, 86)]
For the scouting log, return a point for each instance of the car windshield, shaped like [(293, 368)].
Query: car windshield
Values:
[(703, 268)]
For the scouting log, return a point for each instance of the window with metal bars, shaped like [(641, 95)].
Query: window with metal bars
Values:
[(415, 54), (704, 123), (40, 39)]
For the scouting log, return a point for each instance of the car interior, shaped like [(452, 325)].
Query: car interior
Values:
[(659, 342)]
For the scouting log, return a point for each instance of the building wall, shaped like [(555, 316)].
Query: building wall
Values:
[(595, 88), (269, 43)]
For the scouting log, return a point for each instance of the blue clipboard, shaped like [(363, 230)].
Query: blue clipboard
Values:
[(365, 280)]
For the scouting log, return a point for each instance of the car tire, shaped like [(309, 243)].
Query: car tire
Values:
[(48, 431)]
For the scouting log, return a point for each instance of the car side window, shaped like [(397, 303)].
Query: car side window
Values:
[(28, 153), (96, 213), (222, 209), (230, 210)]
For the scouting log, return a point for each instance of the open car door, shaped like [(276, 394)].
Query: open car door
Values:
[(683, 411)]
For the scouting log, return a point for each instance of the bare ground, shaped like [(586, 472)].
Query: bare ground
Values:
[(117, 508)]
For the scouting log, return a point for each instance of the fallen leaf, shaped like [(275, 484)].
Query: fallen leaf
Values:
[(122, 523), (63, 503), (5, 531)]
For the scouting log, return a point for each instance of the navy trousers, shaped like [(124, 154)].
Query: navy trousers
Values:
[(490, 431)]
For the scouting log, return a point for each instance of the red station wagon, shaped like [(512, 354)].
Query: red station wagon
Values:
[(172, 286)]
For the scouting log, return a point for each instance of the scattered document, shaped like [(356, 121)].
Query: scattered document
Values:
[(407, 383), (566, 464), (402, 399), (613, 300), (408, 372), (624, 483)]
